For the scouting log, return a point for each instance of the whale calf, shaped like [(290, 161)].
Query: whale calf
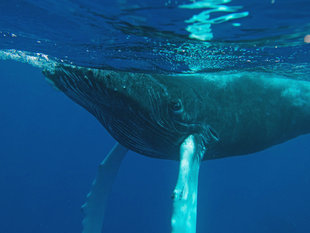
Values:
[(185, 117)]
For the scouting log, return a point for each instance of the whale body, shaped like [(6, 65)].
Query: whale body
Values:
[(152, 114), (185, 117)]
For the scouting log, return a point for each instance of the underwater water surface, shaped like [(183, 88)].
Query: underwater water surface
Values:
[(50, 147)]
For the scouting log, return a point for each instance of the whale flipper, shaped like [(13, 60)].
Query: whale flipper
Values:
[(185, 193), (97, 198)]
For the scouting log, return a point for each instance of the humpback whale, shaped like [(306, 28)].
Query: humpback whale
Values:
[(186, 117), (183, 117)]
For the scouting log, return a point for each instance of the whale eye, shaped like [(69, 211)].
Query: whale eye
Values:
[(176, 106)]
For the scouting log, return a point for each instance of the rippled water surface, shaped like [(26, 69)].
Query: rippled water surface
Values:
[(164, 36)]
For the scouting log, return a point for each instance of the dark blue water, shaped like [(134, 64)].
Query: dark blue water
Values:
[(50, 147)]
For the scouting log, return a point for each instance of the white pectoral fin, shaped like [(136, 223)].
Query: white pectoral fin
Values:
[(185, 193), (97, 198)]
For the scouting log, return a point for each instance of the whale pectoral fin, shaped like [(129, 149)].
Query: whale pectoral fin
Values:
[(97, 198), (185, 193)]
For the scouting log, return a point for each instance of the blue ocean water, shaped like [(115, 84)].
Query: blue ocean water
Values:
[(50, 147)]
